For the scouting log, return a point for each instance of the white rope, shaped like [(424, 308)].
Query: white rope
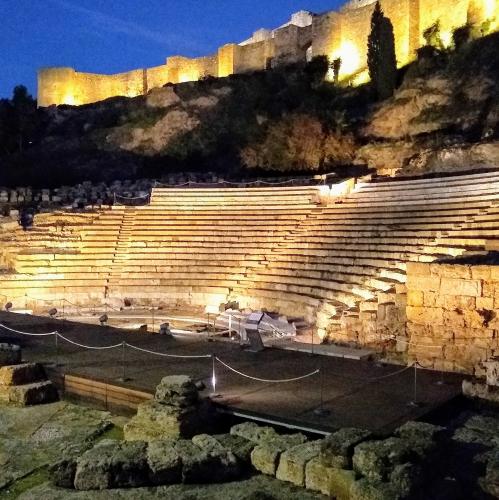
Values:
[(168, 355), (89, 346), (28, 333), (132, 197), (391, 374), (281, 381)]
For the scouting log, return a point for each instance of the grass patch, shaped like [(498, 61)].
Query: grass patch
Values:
[(34, 479), (114, 432)]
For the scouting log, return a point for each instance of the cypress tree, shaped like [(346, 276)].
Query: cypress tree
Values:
[(381, 59)]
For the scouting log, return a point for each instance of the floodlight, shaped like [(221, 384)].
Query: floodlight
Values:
[(52, 312), (103, 319)]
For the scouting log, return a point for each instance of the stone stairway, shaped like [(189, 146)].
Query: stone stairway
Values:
[(123, 241)]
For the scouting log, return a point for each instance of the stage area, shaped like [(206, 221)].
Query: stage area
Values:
[(354, 393)]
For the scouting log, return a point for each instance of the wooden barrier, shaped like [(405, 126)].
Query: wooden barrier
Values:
[(109, 394)]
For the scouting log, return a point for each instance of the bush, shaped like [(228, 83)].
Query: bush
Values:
[(461, 36), (299, 142)]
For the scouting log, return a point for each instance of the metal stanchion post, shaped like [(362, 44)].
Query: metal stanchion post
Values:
[(214, 377), (56, 349), (415, 402), (123, 377), (321, 411)]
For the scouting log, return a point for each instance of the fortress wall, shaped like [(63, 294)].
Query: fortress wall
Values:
[(326, 34), (90, 87), (291, 43), (334, 34), (226, 58), (55, 86), (157, 76), (450, 17), (252, 57)]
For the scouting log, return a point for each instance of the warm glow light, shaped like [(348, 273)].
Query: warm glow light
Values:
[(446, 37), (490, 8), (69, 98), (350, 58), (188, 76)]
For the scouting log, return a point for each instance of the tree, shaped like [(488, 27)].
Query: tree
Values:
[(24, 107), (381, 58)]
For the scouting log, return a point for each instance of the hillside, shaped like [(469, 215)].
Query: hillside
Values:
[(444, 116)]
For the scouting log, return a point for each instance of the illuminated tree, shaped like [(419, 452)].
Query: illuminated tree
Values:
[(381, 59)]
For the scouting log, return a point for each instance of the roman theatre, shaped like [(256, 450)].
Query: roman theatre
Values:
[(398, 265)]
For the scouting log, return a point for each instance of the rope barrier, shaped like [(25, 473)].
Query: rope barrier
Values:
[(28, 333), (280, 381), (248, 183), (132, 197), (89, 346), (204, 356)]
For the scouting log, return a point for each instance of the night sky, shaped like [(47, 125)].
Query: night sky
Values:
[(111, 36)]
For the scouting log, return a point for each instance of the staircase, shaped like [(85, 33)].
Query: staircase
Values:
[(121, 251)]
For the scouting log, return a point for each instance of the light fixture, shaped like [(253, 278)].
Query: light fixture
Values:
[(8, 306), (103, 319), (164, 329), (52, 312)]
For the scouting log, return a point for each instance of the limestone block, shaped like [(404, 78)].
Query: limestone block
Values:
[(10, 354), (30, 394), (265, 456), (253, 432), (490, 483), (418, 269), (337, 448), (486, 303), (492, 372), (165, 464), (27, 373), (201, 466), (239, 446), (481, 272), (330, 481), (424, 283), (293, 461), (375, 459), (425, 315), (366, 489), (155, 420), (112, 464), (453, 286), (451, 270)]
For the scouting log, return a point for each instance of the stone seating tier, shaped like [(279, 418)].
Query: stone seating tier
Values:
[(276, 246)]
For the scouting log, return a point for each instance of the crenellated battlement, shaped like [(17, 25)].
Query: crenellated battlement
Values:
[(336, 34)]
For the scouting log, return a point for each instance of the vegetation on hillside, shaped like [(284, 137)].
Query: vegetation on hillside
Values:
[(285, 119)]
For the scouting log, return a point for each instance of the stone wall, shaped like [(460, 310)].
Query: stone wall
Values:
[(334, 34), (452, 315)]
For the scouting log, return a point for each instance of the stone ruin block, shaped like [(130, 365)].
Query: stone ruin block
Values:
[(165, 464), (176, 411), (10, 354), (293, 461), (30, 394), (330, 481), (265, 456), (492, 372), (112, 464), (337, 449), (26, 373)]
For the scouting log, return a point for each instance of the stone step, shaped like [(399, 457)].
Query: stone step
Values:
[(21, 374), (29, 394)]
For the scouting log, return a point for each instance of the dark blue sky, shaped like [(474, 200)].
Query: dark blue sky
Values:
[(110, 36)]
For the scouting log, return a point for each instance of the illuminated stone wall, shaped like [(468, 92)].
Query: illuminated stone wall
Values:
[(340, 34), (452, 315)]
